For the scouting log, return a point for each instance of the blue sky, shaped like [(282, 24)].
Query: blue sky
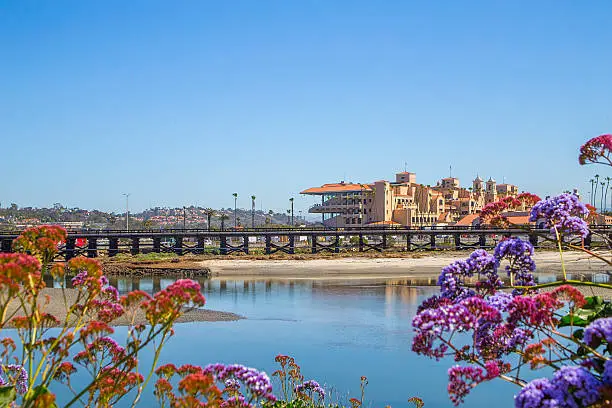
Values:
[(186, 102)]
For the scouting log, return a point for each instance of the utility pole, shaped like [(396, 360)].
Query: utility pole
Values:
[(127, 211)]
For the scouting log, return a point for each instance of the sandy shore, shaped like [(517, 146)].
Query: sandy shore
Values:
[(379, 268), (57, 307)]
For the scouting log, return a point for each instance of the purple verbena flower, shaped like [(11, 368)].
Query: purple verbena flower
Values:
[(580, 388), (563, 213), (256, 382), (500, 300), (600, 329), (607, 373), (538, 393), (519, 255), (311, 386), (19, 375)]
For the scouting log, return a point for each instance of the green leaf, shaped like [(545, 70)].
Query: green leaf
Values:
[(7, 395), (593, 301)]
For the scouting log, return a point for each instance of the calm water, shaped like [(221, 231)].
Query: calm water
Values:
[(337, 332)]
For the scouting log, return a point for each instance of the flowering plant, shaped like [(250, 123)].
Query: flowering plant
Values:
[(81, 340), (496, 333)]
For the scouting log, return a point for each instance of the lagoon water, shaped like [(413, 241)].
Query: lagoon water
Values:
[(336, 330)]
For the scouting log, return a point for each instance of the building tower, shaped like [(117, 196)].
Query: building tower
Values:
[(491, 191), (477, 184)]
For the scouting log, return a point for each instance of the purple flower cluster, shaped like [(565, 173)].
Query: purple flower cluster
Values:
[(563, 213), (257, 383), (519, 254), (17, 374), (600, 329), (310, 386), (569, 387), (500, 301), (607, 373), (450, 281), (468, 314), (232, 383)]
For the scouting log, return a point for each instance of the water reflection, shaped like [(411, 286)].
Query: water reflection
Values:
[(393, 288)]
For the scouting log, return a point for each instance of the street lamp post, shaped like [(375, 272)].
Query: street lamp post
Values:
[(127, 211), (253, 211), (184, 217), (291, 200), (235, 202)]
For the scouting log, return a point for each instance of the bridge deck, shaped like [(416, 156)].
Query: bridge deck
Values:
[(93, 243)]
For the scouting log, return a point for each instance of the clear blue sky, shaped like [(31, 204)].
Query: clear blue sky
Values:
[(186, 102)]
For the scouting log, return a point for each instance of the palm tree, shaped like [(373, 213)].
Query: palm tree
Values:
[(288, 215), (602, 197), (291, 200), (209, 214), (595, 192), (253, 211), (592, 183), (235, 201), (608, 179), (270, 217), (223, 217)]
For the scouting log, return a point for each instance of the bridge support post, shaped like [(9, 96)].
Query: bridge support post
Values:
[(432, 241), (223, 244), (457, 241), (245, 244), (384, 242), (313, 244), (268, 244), (178, 245), (6, 245), (292, 244), (156, 284), (200, 247), (408, 242), (135, 250), (588, 240), (157, 245), (360, 242), (337, 245), (482, 240), (92, 247), (533, 240), (70, 244), (113, 246)]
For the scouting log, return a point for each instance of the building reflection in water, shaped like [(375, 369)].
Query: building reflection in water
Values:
[(404, 291)]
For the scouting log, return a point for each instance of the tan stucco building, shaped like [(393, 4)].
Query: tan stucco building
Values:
[(404, 201)]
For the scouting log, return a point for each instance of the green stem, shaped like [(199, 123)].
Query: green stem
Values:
[(144, 385), (569, 281), (561, 253)]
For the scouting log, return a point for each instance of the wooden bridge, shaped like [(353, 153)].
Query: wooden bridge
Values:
[(93, 243)]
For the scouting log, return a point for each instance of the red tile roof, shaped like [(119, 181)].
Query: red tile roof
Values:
[(384, 223), (467, 220)]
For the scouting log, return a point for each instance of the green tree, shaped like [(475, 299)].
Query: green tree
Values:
[(209, 214)]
